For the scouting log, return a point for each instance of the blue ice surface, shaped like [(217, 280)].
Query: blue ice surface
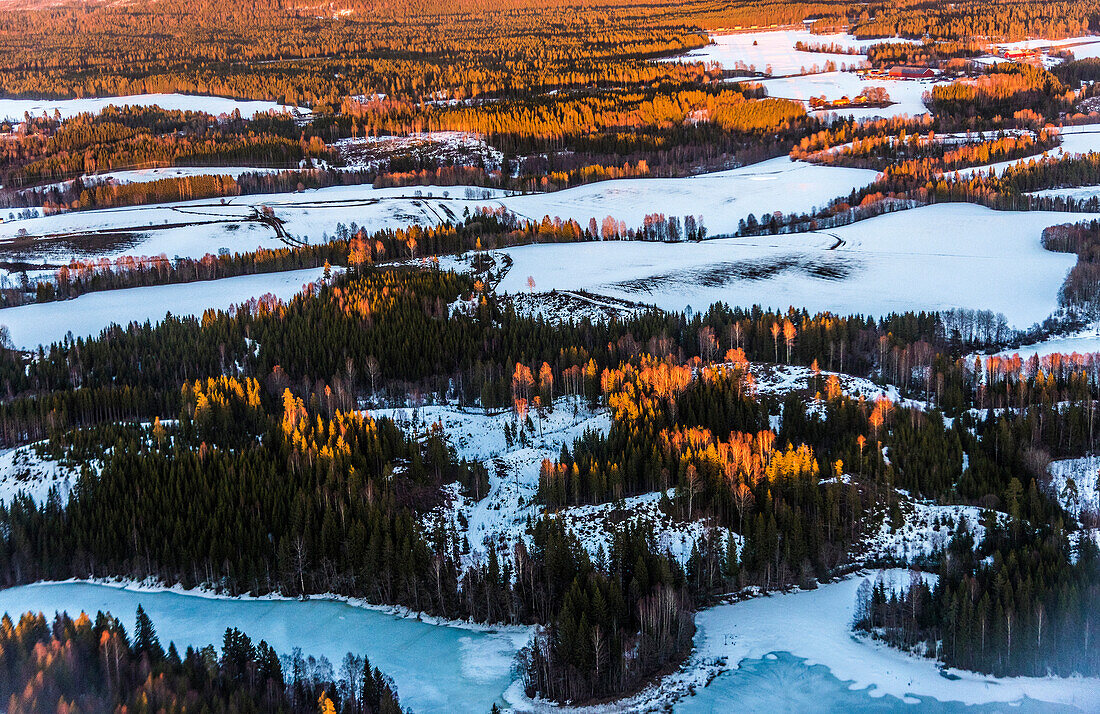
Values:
[(781, 682), (437, 668)]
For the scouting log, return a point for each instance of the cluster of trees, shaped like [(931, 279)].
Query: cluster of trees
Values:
[(929, 155), (619, 621), (674, 129), (832, 48), (1006, 89), (81, 664), (1081, 289), (977, 18), (410, 50), (929, 53), (142, 137), (1028, 608)]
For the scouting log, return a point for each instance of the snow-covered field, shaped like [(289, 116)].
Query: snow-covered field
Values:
[(722, 198), (907, 95), (759, 50), (15, 109), (194, 228), (87, 315), (774, 52), (1083, 472), (469, 668), (930, 258), (815, 625)]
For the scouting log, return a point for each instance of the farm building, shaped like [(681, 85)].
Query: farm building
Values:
[(912, 72)]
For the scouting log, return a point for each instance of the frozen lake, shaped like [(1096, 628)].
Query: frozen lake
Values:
[(444, 668), (780, 682), (436, 668)]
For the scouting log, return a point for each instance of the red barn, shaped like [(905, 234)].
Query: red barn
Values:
[(911, 73)]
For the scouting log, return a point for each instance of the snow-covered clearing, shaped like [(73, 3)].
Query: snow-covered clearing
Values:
[(457, 148), (931, 258), (1082, 47), (194, 228), (816, 625), (757, 51), (470, 667), (907, 95), (593, 525), (14, 109), (23, 470), (722, 198), (501, 515), (1083, 496), (1084, 342), (87, 315), (927, 530)]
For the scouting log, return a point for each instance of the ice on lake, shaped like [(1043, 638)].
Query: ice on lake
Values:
[(437, 668)]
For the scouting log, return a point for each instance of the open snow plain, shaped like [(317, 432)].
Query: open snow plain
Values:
[(15, 109), (758, 51), (722, 198), (908, 96), (936, 257), (195, 228), (773, 52), (85, 316)]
